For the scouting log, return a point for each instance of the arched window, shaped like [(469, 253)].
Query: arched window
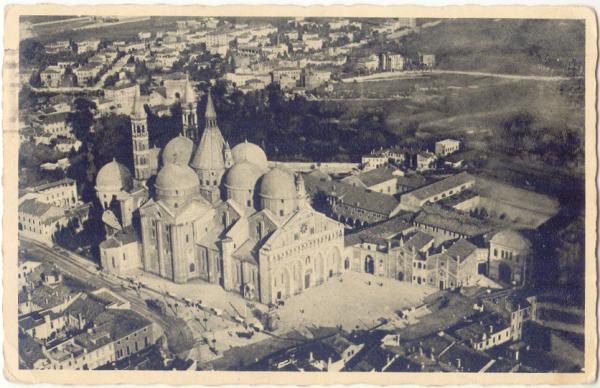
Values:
[(192, 267)]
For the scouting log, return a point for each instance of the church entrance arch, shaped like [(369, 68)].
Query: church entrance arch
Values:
[(400, 276), (320, 267), (282, 283), (297, 271), (307, 278), (504, 273), (334, 262), (369, 264)]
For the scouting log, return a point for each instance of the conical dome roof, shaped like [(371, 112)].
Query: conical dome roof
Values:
[(210, 154), (249, 152), (113, 176), (178, 151)]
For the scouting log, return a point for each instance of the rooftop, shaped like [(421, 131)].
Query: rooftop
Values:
[(122, 237), (380, 232), (418, 240), (491, 323), (453, 220), (49, 185), (352, 195), (376, 176), (443, 185)]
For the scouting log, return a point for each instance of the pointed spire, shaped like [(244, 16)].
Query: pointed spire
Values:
[(210, 108)]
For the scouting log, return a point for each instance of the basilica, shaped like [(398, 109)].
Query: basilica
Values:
[(198, 209)]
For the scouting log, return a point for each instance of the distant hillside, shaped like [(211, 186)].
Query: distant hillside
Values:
[(544, 47)]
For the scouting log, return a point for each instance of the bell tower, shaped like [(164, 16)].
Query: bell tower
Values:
[(189, 112), (140, 141)]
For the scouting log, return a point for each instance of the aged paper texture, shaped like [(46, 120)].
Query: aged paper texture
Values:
[(238, 194)]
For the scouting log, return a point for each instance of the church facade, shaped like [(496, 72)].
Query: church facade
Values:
[(220, 214)]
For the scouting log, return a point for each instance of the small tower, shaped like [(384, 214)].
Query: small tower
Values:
[(189, 113), (227, 155), (140, 140), (301, 190)]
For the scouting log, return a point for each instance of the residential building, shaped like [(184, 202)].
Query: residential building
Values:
[(51, 76), (447, 147)]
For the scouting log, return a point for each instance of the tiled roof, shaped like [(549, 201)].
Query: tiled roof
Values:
[(418, 240), (120, 323), (49, 185), (48, 297), (55, 118), (453, 220), (413, 181), (351, 195), (47, 212), (475, 331), (461, 248), (376, 176), (122, 237), (379, 232), (470, 359), (443, 185), (88, 306)]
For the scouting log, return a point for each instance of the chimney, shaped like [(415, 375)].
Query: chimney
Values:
[(443, 248), (491, 329), (458, 363), (432, 354), (311, 357)]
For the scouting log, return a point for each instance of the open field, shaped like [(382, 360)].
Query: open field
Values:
[(542, 47), (123, 31)]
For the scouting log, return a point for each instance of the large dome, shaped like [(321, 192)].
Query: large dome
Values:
[(243, 175), (278, 184), (173, 177), (511, 239), (249, 152), (178, 151), (113, 176)]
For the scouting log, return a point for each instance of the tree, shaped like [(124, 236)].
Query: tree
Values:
[(82, 118)]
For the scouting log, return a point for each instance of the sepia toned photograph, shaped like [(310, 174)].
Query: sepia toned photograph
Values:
[(278, 193)]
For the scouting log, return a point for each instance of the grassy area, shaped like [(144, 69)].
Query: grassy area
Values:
[(543, 47), (125, 31)]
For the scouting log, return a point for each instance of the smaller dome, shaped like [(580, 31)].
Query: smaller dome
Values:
[(250, 152), (113, 176), (511, 239), (178, 151), (243, 175), (173, 177), (278, 183)]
